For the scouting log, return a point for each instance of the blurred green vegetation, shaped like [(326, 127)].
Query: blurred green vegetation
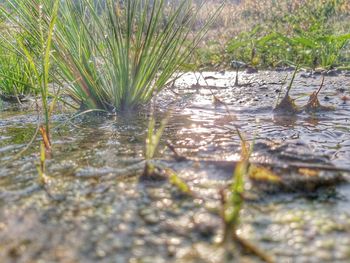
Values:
[(15, 73), (312, 33)]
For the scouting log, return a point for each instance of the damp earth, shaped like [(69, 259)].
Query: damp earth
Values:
[(95, 208)]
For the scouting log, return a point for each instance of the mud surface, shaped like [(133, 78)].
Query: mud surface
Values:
[(95, 208)]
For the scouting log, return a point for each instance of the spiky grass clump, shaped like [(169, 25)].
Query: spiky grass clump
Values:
[(113, 55), (116, 56)]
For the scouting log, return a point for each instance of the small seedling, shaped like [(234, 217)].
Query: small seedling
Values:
[(176, 181), (237, 65), (233, 204), (287, 105), (314, 104), (152, 143)]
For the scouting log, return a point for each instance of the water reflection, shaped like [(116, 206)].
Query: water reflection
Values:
[(104, 213)]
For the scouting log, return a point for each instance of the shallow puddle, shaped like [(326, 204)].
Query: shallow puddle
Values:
[(94, 207)]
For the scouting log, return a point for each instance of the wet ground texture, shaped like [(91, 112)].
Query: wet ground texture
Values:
[(95, 208)]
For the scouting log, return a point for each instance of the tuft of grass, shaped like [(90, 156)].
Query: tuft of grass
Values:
[(116, 55), (111, 55)]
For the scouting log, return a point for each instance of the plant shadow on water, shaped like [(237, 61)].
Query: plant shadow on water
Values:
[(95, 208)]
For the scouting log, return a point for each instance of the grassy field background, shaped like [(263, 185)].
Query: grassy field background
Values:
[(243, 25)]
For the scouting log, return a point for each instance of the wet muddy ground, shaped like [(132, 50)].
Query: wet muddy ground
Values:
[(95, 208)]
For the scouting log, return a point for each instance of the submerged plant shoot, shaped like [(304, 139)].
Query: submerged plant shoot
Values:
[(175, 131)]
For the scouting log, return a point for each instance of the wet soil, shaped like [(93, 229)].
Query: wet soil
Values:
[(94, 208)]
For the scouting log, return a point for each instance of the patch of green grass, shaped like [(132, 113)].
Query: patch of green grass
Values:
[(35, 22), (15, 76), (15, 72), (279, 33), (276, 49), (305, 37), (212, 55)]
